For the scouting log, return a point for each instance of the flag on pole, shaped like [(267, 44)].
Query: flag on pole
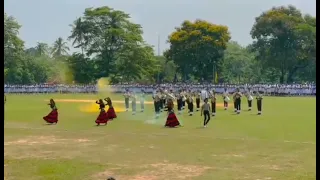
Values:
[(216, 78)]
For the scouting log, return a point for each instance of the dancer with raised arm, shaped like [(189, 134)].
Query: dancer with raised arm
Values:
[(111, 112), (172, 120), (103, 116), (52, 117)]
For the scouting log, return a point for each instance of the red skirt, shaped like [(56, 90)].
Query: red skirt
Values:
[(52, 117), (111, 113), (102, 118), (172, 120)]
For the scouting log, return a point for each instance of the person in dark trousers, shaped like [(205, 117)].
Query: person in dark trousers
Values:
[(198, 95), (156, 102), (126, 99), (190, 104), (249, 99), (205, 110), (226, 98), (259, 102), (237, 97), (179, 102), (213, 103), (234, 102)]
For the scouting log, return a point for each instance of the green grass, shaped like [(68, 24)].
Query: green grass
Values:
[(279, 145)]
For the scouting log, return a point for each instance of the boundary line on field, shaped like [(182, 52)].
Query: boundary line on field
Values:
[(165, 134)]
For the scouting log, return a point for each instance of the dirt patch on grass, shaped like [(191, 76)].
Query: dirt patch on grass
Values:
[(44, 140), (157, 171), (45, 147), (270, 167), (228, 155)]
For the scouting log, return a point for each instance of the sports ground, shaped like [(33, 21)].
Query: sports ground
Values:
[(279, 145)]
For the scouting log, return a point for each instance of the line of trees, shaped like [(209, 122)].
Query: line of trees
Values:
[(110, 45)]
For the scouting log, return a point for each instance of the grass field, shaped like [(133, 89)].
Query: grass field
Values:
[(279, 145)]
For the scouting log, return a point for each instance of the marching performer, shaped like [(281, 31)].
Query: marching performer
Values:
[(52, 117), (103, 116), (213, 102), (163, 100), (142, 98), (190, 103), (133, 103), (249, 99), (111, 112), (234, 102), (126, 99), (237, 97), (204, 94), (169, 96), (259, 102), (198, 95), (226, 99), (172, 120), (184, 99), (156, 101), (179, 102)]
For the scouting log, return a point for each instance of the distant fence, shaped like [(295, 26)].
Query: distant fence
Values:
[(295, 90)]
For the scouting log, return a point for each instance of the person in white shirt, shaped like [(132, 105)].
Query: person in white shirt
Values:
[(205, 110), (226, 98)]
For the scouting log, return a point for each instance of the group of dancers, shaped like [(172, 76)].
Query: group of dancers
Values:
[(103, 117)]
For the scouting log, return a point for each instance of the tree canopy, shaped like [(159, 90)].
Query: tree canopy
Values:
[(285, 40), (196, 48)]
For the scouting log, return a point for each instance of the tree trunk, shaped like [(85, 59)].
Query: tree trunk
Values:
[(282, 77)]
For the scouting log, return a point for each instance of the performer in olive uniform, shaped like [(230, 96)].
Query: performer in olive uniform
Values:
[(156, 101), (169, 97), (190, 104), (249, 99), (126, 99), (133, 103), (198, 95), (179, 101), (142, 98), (162, 101), (226, 99), (234, 102), (184, 99), (237, 97), (213, 103), (259, 102)]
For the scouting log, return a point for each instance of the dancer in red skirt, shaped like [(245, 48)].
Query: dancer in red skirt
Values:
[(52, 117), (172, 120), (103, 116), (111, 113)]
